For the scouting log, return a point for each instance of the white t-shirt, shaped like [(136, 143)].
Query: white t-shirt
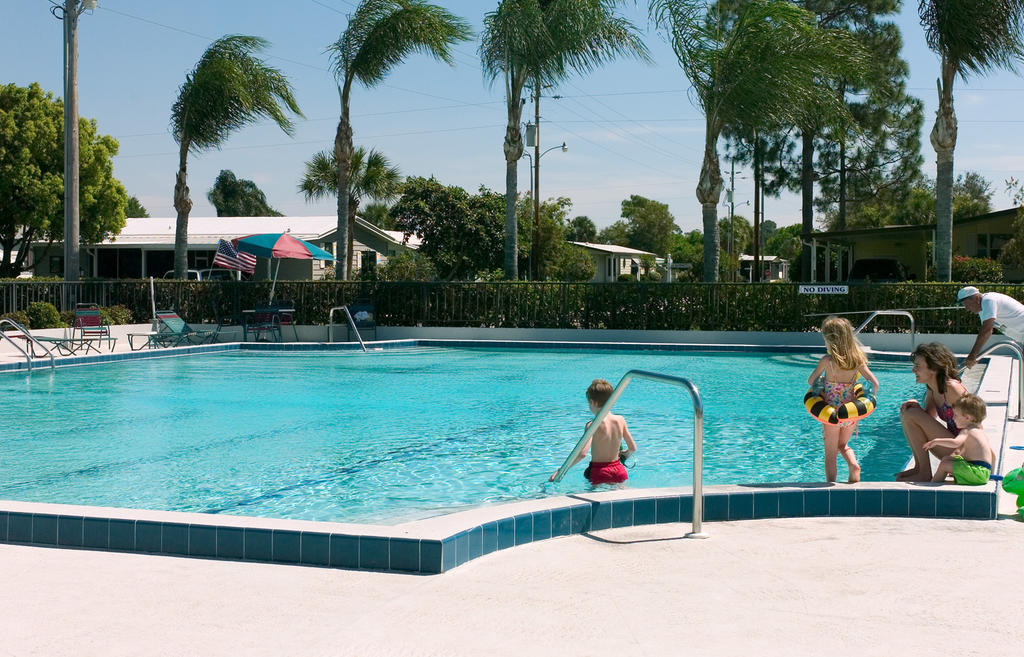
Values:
[(1007, 311)]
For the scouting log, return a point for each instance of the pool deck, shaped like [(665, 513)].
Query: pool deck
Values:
[(840, 586)]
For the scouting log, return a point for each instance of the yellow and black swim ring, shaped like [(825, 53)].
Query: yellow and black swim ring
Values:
[(862, 405)]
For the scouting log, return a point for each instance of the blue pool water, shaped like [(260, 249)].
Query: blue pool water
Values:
[(390, 436)]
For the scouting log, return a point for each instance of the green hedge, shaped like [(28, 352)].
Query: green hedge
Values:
[(646, 306)]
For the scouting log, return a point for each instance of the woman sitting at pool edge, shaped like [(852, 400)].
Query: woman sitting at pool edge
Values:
[(934, 366)]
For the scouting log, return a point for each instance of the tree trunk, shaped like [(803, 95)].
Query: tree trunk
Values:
[(343, 153), (807, 209), (353, 208), (943, 138), (755, 267), (183, 205), (513, 148), (709, 190), (842, 185)]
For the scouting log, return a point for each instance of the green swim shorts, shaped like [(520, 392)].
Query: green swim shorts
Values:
[(966, 473)]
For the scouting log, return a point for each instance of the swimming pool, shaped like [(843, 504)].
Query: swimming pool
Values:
[(396, 435)]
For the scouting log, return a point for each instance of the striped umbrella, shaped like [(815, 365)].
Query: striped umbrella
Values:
[(279, 245)]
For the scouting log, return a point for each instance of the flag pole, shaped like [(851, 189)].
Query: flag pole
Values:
[(274, 284)]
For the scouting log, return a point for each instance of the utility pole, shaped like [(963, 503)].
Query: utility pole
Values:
[(535, 247), (755, 273), (732, 217), (69, 14)]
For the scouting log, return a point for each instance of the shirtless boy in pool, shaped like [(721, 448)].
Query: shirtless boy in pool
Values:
[(972, 457), (605, 454)]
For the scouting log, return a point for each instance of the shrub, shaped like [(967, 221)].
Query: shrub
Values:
[(626, 278), (19, 316), (972, 270), (42, 315), (114, 315)]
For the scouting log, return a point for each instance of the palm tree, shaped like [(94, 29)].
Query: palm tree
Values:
[(379, 35), (541, 42), (758, 67), (971, 36), (370, 176), (228, 88)]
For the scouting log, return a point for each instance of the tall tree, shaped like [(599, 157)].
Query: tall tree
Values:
[(541, 42), (380, 34), (228, 89), (135, 208), (370, 176), (970, 37), (32, 176), (447, 219), (236, 197), (727, 57), (581, 229), (651, 226)]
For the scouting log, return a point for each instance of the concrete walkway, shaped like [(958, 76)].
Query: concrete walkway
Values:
[(840, 586)]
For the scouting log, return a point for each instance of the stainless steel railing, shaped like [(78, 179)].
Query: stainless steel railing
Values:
[(698, 437), (900, 313), (1012, 346), (351, 323), (31, 343)]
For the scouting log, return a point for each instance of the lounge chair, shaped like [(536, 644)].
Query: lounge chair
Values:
[(263, 322), (87, 330), (172, 331)]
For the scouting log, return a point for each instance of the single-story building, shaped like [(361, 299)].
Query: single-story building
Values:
[(145, 247), (977, 237), (774, 268), (612, 261)]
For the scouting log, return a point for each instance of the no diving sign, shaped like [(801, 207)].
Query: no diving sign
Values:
[(824, 289)]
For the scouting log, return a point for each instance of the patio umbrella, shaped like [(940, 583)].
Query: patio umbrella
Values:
[(279, 245)]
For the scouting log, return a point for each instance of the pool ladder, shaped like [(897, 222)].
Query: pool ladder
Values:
[(1015, 348), (31, 343), (698, 437), (898, 313), (351, 323)]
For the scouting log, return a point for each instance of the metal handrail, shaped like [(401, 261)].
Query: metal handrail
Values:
[(900, 313), (1012, 346), (351, 323), (698, 437), (31, 340)]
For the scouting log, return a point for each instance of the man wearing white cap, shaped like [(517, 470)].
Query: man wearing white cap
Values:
[(996, 310)]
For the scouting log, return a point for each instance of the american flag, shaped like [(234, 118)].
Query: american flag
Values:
[(231, 258)]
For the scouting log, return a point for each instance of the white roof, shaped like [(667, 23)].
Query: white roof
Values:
[(207, 230), (765, 258), (613, 249)]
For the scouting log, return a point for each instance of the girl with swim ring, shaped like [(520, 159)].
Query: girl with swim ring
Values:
[(934, 366), (843, 363)]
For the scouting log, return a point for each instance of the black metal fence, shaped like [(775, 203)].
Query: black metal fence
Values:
[(645, 306)]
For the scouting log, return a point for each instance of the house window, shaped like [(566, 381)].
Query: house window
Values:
[(990, 245), (609, 261), (56, 264), (369, 261)]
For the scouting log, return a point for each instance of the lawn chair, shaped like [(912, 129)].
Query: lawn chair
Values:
[(172, 331), (263, 322)]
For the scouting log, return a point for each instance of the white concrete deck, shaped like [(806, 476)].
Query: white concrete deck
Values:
[(809, 586)]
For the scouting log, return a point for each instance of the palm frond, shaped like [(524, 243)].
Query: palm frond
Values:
[(975, 36), (230, 88), (382, 33), (371, 175)]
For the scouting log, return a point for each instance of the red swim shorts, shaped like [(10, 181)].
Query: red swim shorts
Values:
[(612, 472)]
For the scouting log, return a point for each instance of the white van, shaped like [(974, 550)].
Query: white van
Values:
[(217, 274)]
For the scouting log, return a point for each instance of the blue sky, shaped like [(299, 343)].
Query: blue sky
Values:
[(630, 127)]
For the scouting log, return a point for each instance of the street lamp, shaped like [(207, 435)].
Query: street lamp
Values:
[(535, 193), (69, 13)]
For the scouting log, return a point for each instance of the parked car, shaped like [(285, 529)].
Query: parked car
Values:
[(215, 274), (877, 270)]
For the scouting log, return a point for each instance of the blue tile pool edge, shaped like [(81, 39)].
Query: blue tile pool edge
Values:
[(40, 364), (426, 548)]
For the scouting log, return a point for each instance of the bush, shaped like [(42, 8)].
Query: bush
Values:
[(115, 315), (43, 315), (975, 270), (19, 316), (626, 278)]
